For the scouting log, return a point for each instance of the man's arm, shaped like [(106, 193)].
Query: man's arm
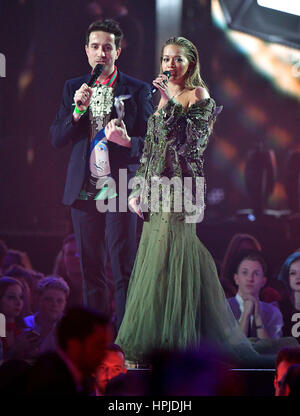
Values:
[(65, 128)]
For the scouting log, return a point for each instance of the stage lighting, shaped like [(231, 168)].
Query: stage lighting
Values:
[(286, 6), (268, 24)]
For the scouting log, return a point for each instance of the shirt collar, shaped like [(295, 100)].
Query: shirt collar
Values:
[(240, 301), (109, 81)]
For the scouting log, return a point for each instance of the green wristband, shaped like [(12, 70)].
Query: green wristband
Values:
[(77, 111)]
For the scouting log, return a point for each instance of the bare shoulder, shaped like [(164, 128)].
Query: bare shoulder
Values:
[(198, 94)]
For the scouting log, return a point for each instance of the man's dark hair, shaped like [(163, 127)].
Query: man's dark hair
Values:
[(115, 348), (107, 25), (79, 323), (253, 255), (288, 354)]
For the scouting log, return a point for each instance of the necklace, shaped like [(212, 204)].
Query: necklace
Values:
[(178, 94)]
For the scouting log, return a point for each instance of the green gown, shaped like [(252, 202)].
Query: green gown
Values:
[(175, 300)]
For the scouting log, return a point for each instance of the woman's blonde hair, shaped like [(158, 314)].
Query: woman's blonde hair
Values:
[(193, 77)]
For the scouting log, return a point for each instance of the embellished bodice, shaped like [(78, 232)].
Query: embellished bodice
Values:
[(174, 145)]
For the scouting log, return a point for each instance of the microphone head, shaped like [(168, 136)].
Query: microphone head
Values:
[(98, 70)]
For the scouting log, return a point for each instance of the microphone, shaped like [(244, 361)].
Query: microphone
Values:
[(96, 73), (154, 89)]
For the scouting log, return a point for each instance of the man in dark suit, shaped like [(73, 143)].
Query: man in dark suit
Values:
[(85, 112), (83, 336)]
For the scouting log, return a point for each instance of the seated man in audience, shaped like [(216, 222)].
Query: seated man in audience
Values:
[(286, 357), (257, 319), (52, 295), (82, 336), (112, 366)]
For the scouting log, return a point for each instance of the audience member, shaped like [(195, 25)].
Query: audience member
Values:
[(112, 366), (17, 257), (19, 342), (256, 318), (27, 308), (285, 358), (52, 293), (67, 265), (290, 303), (237, 243), (83, 336), (29, 278), (292, 380)]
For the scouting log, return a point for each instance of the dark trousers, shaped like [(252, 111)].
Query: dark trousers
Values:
[(96, 233)]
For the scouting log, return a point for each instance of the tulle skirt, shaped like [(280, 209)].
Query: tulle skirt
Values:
[(175, 300)]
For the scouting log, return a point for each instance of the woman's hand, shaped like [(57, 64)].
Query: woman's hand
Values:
[(134, 204), (162, 84)]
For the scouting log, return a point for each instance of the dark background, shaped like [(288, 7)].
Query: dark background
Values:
[(43, 42)]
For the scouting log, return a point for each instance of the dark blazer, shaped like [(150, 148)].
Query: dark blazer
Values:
[(64, 131)]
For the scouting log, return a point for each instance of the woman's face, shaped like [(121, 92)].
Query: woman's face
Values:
[(12, 302), (294, 276), (175, 61)]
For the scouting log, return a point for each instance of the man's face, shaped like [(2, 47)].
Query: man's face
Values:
[(281, 388), (52, 303), (102, 50), (112, 365), (249, 278)]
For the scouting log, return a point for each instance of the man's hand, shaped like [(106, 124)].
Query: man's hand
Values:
[(117, 133), (249, 304), (84, 95)]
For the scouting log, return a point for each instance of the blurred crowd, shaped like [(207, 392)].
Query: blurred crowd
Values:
[(53, 345)]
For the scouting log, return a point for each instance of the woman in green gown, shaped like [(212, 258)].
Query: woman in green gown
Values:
[(175, 300)]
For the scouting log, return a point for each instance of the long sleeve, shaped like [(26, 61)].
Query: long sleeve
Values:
[(63, 130)]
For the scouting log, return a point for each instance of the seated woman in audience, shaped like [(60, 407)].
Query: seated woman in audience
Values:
[(30, 279), (18, 342), (52, 293), (290, 304), (257, 319)]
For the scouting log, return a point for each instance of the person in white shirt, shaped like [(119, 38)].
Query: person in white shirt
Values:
[(257, 319)]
